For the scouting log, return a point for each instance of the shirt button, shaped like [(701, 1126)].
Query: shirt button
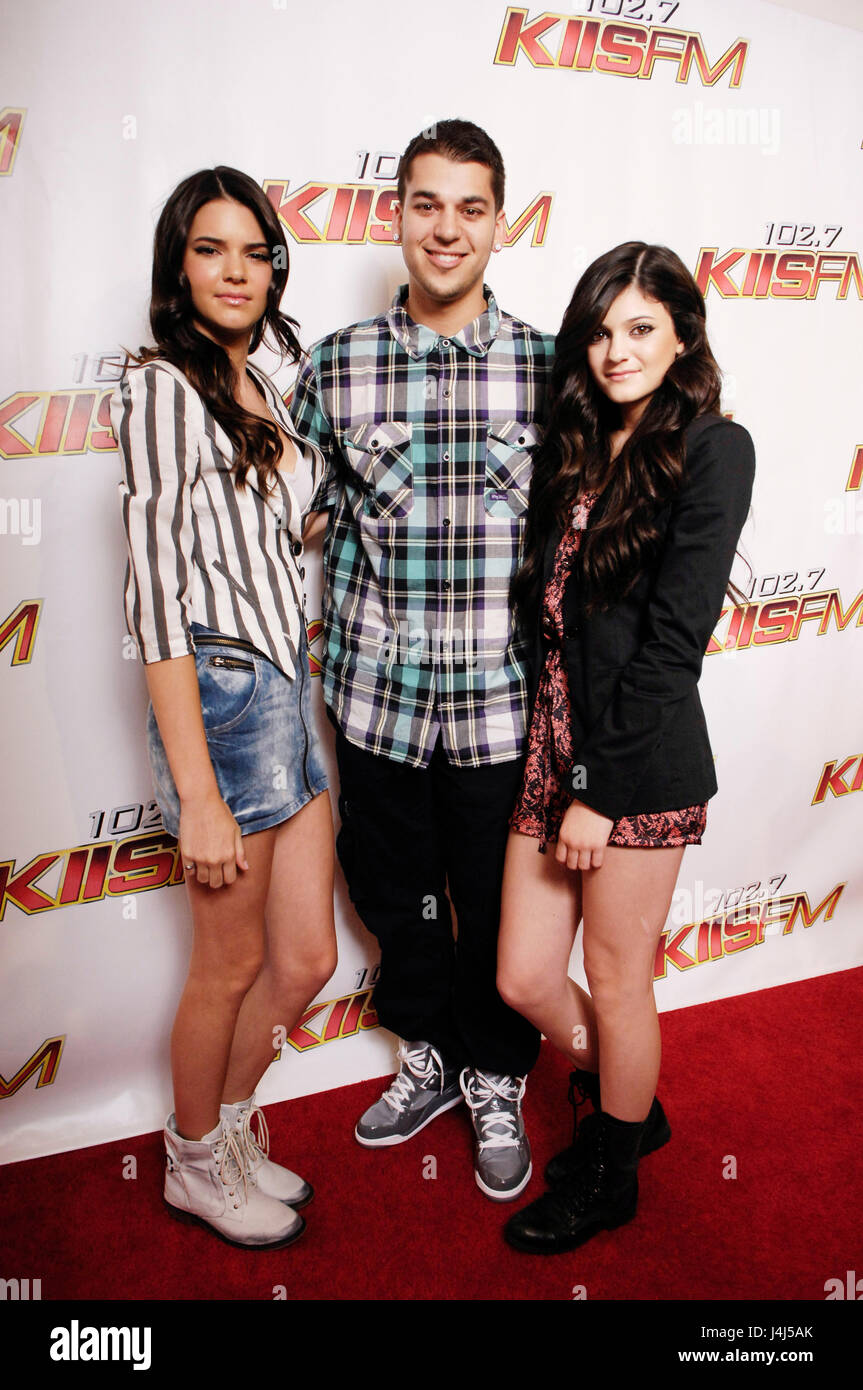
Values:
[(444, 342), (521, 439), (297, 547), (446, 586), (446, 458), (446, 521), (447, 391)]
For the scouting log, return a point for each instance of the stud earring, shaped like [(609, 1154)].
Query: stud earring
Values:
[(497, 246)]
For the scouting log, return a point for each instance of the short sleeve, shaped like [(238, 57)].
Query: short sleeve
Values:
[(150, 412), (311, 422)]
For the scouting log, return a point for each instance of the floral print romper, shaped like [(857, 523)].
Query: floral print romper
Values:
[(546, 791)]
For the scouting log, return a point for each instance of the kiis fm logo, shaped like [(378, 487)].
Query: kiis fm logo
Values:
[(357, 212), (744, 926), (620, 50), (833, 775), (45, 1061), (88, 873), (11, 121), (315, 631), (330, 1020), (765, 274), (781, 620), (21, 624), (66, 422)]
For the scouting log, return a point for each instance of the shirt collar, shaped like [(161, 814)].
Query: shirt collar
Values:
[(418, 340)]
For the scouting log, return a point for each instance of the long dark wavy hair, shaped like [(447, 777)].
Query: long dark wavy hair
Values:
[(576, 454), (205, 363)]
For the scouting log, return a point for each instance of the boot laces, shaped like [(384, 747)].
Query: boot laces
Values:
[(578, 1088), (498, 1127), (230, 1161), (423, 1063), (255, 1146), (578, 1096)]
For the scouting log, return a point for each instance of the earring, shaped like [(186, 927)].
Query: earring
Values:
[(497, 246), (395, 237)]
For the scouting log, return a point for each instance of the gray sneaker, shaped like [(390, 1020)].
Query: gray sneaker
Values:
[(502, 1165), (424, 1088)]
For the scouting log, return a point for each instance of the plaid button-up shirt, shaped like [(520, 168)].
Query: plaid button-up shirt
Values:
[(430, 442)]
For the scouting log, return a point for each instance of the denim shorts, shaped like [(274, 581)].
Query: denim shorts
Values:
[(260, 735)]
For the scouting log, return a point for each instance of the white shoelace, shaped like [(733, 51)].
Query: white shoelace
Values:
[(499, 1127), (256, 1146), (420, 1064), (230, 1159)]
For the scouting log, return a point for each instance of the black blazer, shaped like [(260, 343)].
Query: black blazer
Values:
[(638, 727)]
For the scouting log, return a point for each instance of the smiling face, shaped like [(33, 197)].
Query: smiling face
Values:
[(227, 264), (630, 353), (448, 226)]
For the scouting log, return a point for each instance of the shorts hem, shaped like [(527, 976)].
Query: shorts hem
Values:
[(270, 818), (266, 822)]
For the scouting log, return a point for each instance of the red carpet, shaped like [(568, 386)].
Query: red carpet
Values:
[(770, 1080)]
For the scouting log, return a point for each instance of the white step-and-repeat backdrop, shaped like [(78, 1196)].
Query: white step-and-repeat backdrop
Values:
[(725, 131)]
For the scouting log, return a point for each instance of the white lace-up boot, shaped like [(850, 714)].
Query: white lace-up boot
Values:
[(206, 1183), (270, 1178)]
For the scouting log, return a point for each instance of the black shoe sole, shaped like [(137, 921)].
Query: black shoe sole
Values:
[(529, 1246), (189, 1219)]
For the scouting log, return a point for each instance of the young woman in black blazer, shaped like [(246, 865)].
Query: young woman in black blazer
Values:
[(637, 503)]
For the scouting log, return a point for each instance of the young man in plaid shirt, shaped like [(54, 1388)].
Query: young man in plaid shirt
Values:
[(428, 415)]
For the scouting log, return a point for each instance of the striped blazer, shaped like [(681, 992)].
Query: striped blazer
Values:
[(200, 549)]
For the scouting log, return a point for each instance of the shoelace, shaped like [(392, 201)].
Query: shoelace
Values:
[(580, 1188), (420, 1064), (256, 1146), (499, 1127), (230, 1159), (576, 1087)]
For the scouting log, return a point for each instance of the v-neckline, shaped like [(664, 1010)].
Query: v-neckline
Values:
[(288, 444)]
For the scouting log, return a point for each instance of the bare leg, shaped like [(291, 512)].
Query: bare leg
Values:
[(300, 944), (226, 956), (540, 913), (626, 902)]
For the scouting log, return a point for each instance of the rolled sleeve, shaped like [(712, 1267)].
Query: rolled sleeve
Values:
[(159, 456)]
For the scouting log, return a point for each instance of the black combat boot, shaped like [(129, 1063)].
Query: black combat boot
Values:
[(601, 1194)]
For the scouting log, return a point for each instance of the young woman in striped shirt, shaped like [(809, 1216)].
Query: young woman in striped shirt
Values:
[(216, 486)]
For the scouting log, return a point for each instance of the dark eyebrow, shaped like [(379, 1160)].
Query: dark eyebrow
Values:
[(217, 241), (637, 318), (469, 200)]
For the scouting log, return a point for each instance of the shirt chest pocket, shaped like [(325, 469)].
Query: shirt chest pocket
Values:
[(379, 456), (509, 463)]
